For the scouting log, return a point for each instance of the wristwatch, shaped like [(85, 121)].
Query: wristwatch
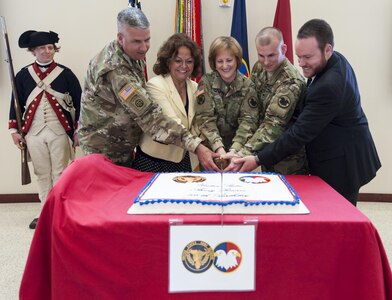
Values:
[(257, 160)]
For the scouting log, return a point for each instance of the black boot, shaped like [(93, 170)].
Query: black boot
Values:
[(33, 223)]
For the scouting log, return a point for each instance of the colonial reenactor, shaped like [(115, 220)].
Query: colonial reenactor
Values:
[(49, 95), (279, 86), (115, 107), (227, 108)]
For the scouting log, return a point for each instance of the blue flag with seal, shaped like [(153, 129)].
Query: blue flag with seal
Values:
[(239, 31)]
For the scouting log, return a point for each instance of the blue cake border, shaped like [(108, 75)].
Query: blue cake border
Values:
[(226, 203)]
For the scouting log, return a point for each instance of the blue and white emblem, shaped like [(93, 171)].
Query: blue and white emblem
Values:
[(228, 257)]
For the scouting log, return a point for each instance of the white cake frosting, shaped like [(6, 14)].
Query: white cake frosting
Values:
[(215, 193)]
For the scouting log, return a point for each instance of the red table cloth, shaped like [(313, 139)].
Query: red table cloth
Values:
[(86, 246)]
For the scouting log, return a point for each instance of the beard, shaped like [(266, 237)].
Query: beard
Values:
[(320, 66)]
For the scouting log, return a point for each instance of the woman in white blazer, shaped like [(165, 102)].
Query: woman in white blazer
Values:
[(177, 60)]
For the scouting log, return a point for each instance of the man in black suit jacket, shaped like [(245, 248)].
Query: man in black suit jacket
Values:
[(330, 120)]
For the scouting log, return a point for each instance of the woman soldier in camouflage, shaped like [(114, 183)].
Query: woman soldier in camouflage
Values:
[(227, 108)]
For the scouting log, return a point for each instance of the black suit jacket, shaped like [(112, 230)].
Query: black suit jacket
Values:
[(333, 127)]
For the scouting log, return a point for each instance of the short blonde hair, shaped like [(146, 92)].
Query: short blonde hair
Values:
[(267, 35), (224, 43)]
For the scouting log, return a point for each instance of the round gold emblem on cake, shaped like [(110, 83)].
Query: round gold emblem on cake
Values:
[(189, 178)]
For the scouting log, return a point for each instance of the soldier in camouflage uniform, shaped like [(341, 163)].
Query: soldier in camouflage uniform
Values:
[(278, 85), (227, 109), (115, 106)]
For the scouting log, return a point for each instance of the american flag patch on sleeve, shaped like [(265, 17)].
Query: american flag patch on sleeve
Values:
[(200, 91), (126, 92)]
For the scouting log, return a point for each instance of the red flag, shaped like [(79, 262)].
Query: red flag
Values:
[(283, 22)]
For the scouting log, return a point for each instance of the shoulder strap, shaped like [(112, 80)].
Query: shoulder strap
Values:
[(65, 100), (43, 85)]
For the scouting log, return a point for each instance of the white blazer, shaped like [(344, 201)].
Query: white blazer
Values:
[(162, 90)]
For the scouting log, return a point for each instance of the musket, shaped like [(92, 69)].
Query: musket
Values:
[(134, 3), (26, 179)]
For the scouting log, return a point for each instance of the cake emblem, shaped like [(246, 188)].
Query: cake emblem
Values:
[(228, 257), (255, 179), (189, 178), (197, 257)]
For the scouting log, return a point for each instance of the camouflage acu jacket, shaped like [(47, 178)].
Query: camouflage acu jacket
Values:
[(226, 115), (115, 109), (279, 95)]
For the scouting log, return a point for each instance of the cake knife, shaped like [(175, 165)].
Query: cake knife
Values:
[(221, 194)]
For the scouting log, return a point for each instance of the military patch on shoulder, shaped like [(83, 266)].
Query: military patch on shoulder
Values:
[(252, 102), (139, 104), (200, 91), (284, 102), (127, 91), (134, 99), (200, 100)]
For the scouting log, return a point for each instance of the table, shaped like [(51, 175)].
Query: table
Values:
[(87, 247)]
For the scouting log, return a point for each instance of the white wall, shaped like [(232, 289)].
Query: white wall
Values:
[(362, 33)]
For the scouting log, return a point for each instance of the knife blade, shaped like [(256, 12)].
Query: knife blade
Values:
[(221, 197)]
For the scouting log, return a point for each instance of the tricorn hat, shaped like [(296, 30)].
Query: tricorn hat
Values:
[(32, 38)]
